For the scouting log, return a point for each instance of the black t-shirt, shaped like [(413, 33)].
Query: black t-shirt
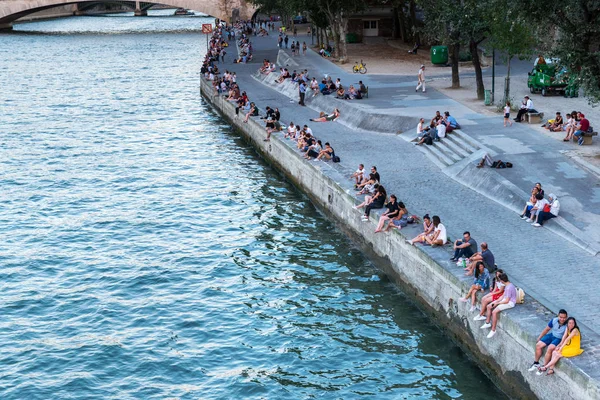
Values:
[(392, 208), (276, 115), (310, 141), (377, 177)]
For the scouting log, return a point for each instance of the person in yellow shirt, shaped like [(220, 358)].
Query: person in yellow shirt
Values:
[(570, 346)]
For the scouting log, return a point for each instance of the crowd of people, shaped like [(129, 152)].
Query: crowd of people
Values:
[(561, 337), (437, 129), (575, 125)]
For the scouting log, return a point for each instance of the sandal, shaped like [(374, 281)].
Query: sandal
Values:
[(541, 371), (550, 371)]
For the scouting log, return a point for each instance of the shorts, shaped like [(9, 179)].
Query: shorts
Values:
[(400, 222), (505, 306), (549, 339), (507, 115)]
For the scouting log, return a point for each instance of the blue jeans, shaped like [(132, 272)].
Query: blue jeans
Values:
[(465, 252)]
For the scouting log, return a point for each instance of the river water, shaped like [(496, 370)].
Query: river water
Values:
[(147, 253)]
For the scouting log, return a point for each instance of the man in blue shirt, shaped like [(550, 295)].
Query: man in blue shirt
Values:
[(550, 337), (451, 122), (302, 90)]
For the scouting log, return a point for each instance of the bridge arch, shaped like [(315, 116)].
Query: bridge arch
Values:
[(227, 10)]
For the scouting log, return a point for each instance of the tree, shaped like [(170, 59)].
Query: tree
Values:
[(446, 15), (577, 43), (512, 35)]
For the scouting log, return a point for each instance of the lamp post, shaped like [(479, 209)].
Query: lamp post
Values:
[(493, 73)]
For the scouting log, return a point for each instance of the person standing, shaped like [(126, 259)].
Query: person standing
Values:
[(421, 79), (302, 91), (303, 48), (285, 40), (507, 114)]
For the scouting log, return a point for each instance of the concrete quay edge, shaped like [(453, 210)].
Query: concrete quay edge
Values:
[(484, 181), (421, 274)]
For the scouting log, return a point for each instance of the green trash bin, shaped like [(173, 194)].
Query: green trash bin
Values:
[(351, 38), (488, 97), (439, 54)]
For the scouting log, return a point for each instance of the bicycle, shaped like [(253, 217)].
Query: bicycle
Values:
[(362, 67)]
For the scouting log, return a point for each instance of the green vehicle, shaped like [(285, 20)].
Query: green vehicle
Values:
[(550, 78)]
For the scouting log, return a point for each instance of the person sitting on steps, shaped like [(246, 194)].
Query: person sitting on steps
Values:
[(506, 302), (570, 346), (427, 230), (550, 337)]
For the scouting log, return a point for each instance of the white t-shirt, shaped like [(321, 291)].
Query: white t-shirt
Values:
[(441, 130), (506, 109), (308, 130), (442, 236), (291, 130), (421, 75), (420, 128), (540, 204)]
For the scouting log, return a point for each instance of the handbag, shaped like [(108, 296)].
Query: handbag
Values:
[(546, 208)]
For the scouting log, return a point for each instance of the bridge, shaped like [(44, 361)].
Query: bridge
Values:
[(227, 10)]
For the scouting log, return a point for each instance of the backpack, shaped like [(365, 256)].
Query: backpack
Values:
[(335, 159), (520, 296), (428, 140)]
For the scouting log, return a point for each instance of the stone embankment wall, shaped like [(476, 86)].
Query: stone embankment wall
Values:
[(435, 289)]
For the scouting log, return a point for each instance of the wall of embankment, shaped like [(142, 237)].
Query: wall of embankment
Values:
[(422, 276)]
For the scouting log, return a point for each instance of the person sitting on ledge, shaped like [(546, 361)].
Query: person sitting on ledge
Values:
[(465, 248), (373, 202), (550, 337), (350, 94), (549, 211), (392, 211), (340, 93), (570, 346), (437, 238), (291, 131), (400, 220), (506, 302), (481, 282), (494, 294), (530, 203), (326, 154), (314, 150), (252, 112), (427, 230), (326, 118), (369, 185), (272, 123), (537, 208), (362, 89), (359, 175), (485, 256)]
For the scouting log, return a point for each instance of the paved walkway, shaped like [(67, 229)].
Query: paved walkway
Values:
[(555, 272)]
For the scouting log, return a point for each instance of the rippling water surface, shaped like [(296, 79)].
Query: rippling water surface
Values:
[(147, 253)]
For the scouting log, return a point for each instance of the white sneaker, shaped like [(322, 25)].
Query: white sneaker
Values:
[(528, 220), (491, 334), (486, 325), (524, 217), (472, 309), (479, 318), (534, 367), (536, 225), (464, 300), (539, 372), (459, 264)]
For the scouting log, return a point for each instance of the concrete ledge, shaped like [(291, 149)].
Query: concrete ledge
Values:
[(354, 113), (427, 276)]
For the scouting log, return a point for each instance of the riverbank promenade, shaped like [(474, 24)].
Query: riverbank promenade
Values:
[(557, 265)]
